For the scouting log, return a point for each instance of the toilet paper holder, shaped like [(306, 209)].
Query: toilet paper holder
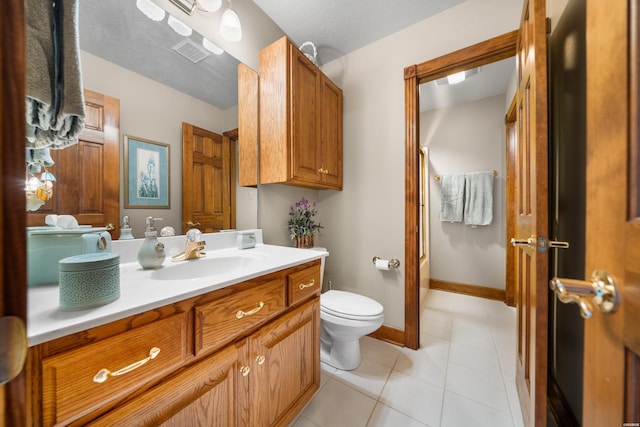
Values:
[(393, 262)]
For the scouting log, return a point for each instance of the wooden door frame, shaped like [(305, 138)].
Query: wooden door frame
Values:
[(14, 401), (492, 50)]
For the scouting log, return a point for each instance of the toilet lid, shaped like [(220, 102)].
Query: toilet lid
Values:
[(349, 305)]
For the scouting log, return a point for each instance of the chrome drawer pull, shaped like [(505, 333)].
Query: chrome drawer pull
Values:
[(240, 314), (104, 374), (307, 285)]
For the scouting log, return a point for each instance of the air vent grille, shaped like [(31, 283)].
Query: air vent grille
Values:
[(192, 51)]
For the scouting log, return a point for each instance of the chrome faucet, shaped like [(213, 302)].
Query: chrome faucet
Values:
[(194, 247)]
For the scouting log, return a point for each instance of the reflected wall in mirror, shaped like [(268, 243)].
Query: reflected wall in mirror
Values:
[(145, 65)]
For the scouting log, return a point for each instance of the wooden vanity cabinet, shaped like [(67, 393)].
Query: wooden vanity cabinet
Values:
[(260, 371), (300, 120)]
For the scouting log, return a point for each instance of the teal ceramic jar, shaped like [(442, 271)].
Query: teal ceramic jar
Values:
[(89, 280)]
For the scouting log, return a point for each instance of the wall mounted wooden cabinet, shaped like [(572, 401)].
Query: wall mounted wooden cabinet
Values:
[(300, 120)]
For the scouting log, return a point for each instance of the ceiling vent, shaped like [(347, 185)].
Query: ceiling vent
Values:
[(192, 51)]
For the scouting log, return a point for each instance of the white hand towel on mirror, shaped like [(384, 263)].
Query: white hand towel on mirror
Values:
[(451, 197), (478, 203)]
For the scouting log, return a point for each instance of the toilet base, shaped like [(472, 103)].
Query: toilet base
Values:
[(344, 355)]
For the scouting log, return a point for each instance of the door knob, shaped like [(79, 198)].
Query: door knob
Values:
[(601, 290)]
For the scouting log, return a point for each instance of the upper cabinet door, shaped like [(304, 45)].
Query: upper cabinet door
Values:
[(300, 121), (86, 186), (331, 133)]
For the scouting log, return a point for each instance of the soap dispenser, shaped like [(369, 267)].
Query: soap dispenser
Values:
[(151, 255), (125, 230)]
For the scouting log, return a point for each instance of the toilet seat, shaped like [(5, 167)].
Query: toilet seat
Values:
[(348, 305)]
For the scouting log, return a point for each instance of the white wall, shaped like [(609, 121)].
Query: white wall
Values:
[(154, 111), (367, 218), (468, 137)]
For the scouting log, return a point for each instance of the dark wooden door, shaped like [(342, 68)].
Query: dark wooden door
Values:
[(612, 341)]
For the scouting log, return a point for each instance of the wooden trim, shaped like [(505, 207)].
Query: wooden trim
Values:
[(14, 396), (412, 215), (472, 290), (483, 53), (479, 54), (231, 134), (511, 137), (390, 335)]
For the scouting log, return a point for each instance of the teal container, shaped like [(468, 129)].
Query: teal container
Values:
[(89, 280)]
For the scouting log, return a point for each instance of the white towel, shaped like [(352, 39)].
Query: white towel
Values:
[(478, 203), (451, 197)]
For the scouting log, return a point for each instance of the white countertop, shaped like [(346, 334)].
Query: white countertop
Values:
[(140, 291)]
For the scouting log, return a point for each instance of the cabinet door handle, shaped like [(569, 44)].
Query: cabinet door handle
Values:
[(260, 359), (244, 370), (240, 314), (307, 285), (103, 374)]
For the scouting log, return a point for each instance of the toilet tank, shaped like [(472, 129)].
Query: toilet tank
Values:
[(318, 248)]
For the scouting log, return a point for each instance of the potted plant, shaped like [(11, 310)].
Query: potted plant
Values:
[(302, 226)]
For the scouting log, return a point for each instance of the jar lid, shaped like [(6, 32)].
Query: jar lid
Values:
[(89, 261)]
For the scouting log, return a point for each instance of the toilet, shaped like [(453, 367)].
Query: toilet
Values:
[(345, 317)]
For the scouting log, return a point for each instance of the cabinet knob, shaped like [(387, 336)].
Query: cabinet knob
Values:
[(244, 370), (260, 359)]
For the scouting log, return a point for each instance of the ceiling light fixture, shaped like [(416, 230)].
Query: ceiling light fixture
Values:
[(203, 5), (212, 47), (179, 26), (150, 9), (456, 78), (230, 27)]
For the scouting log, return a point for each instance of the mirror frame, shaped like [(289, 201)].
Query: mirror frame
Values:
[(492, 50)]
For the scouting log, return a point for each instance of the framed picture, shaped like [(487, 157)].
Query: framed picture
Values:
[(146, 165)]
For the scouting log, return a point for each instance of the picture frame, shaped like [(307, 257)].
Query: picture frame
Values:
[(146, 181)]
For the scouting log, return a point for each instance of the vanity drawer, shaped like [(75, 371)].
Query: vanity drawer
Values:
[(224, 319), (69, 386), (304, 283)]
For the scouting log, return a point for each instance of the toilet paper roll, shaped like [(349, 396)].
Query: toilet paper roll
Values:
[(382, 264)]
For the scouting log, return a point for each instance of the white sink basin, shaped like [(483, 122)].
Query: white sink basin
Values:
[(208, 266)]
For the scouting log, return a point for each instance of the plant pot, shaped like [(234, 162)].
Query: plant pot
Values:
[(303, 242)]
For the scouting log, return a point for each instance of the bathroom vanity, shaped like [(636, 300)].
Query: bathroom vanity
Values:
[(240, 347)]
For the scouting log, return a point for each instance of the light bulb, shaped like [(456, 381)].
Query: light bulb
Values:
[(230, 27), (150, 9), (456, 78), (209, 5), (179, 27), (212, 47)]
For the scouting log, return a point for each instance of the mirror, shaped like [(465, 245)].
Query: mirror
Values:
[(478, 55), (162, 79)]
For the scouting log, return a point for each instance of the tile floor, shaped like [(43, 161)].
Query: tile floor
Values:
[(462, 374)]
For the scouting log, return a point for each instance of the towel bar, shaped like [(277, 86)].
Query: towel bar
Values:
[(437, 177)]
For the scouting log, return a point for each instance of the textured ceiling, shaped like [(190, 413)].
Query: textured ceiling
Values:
[(117, 31), (338, 27)]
